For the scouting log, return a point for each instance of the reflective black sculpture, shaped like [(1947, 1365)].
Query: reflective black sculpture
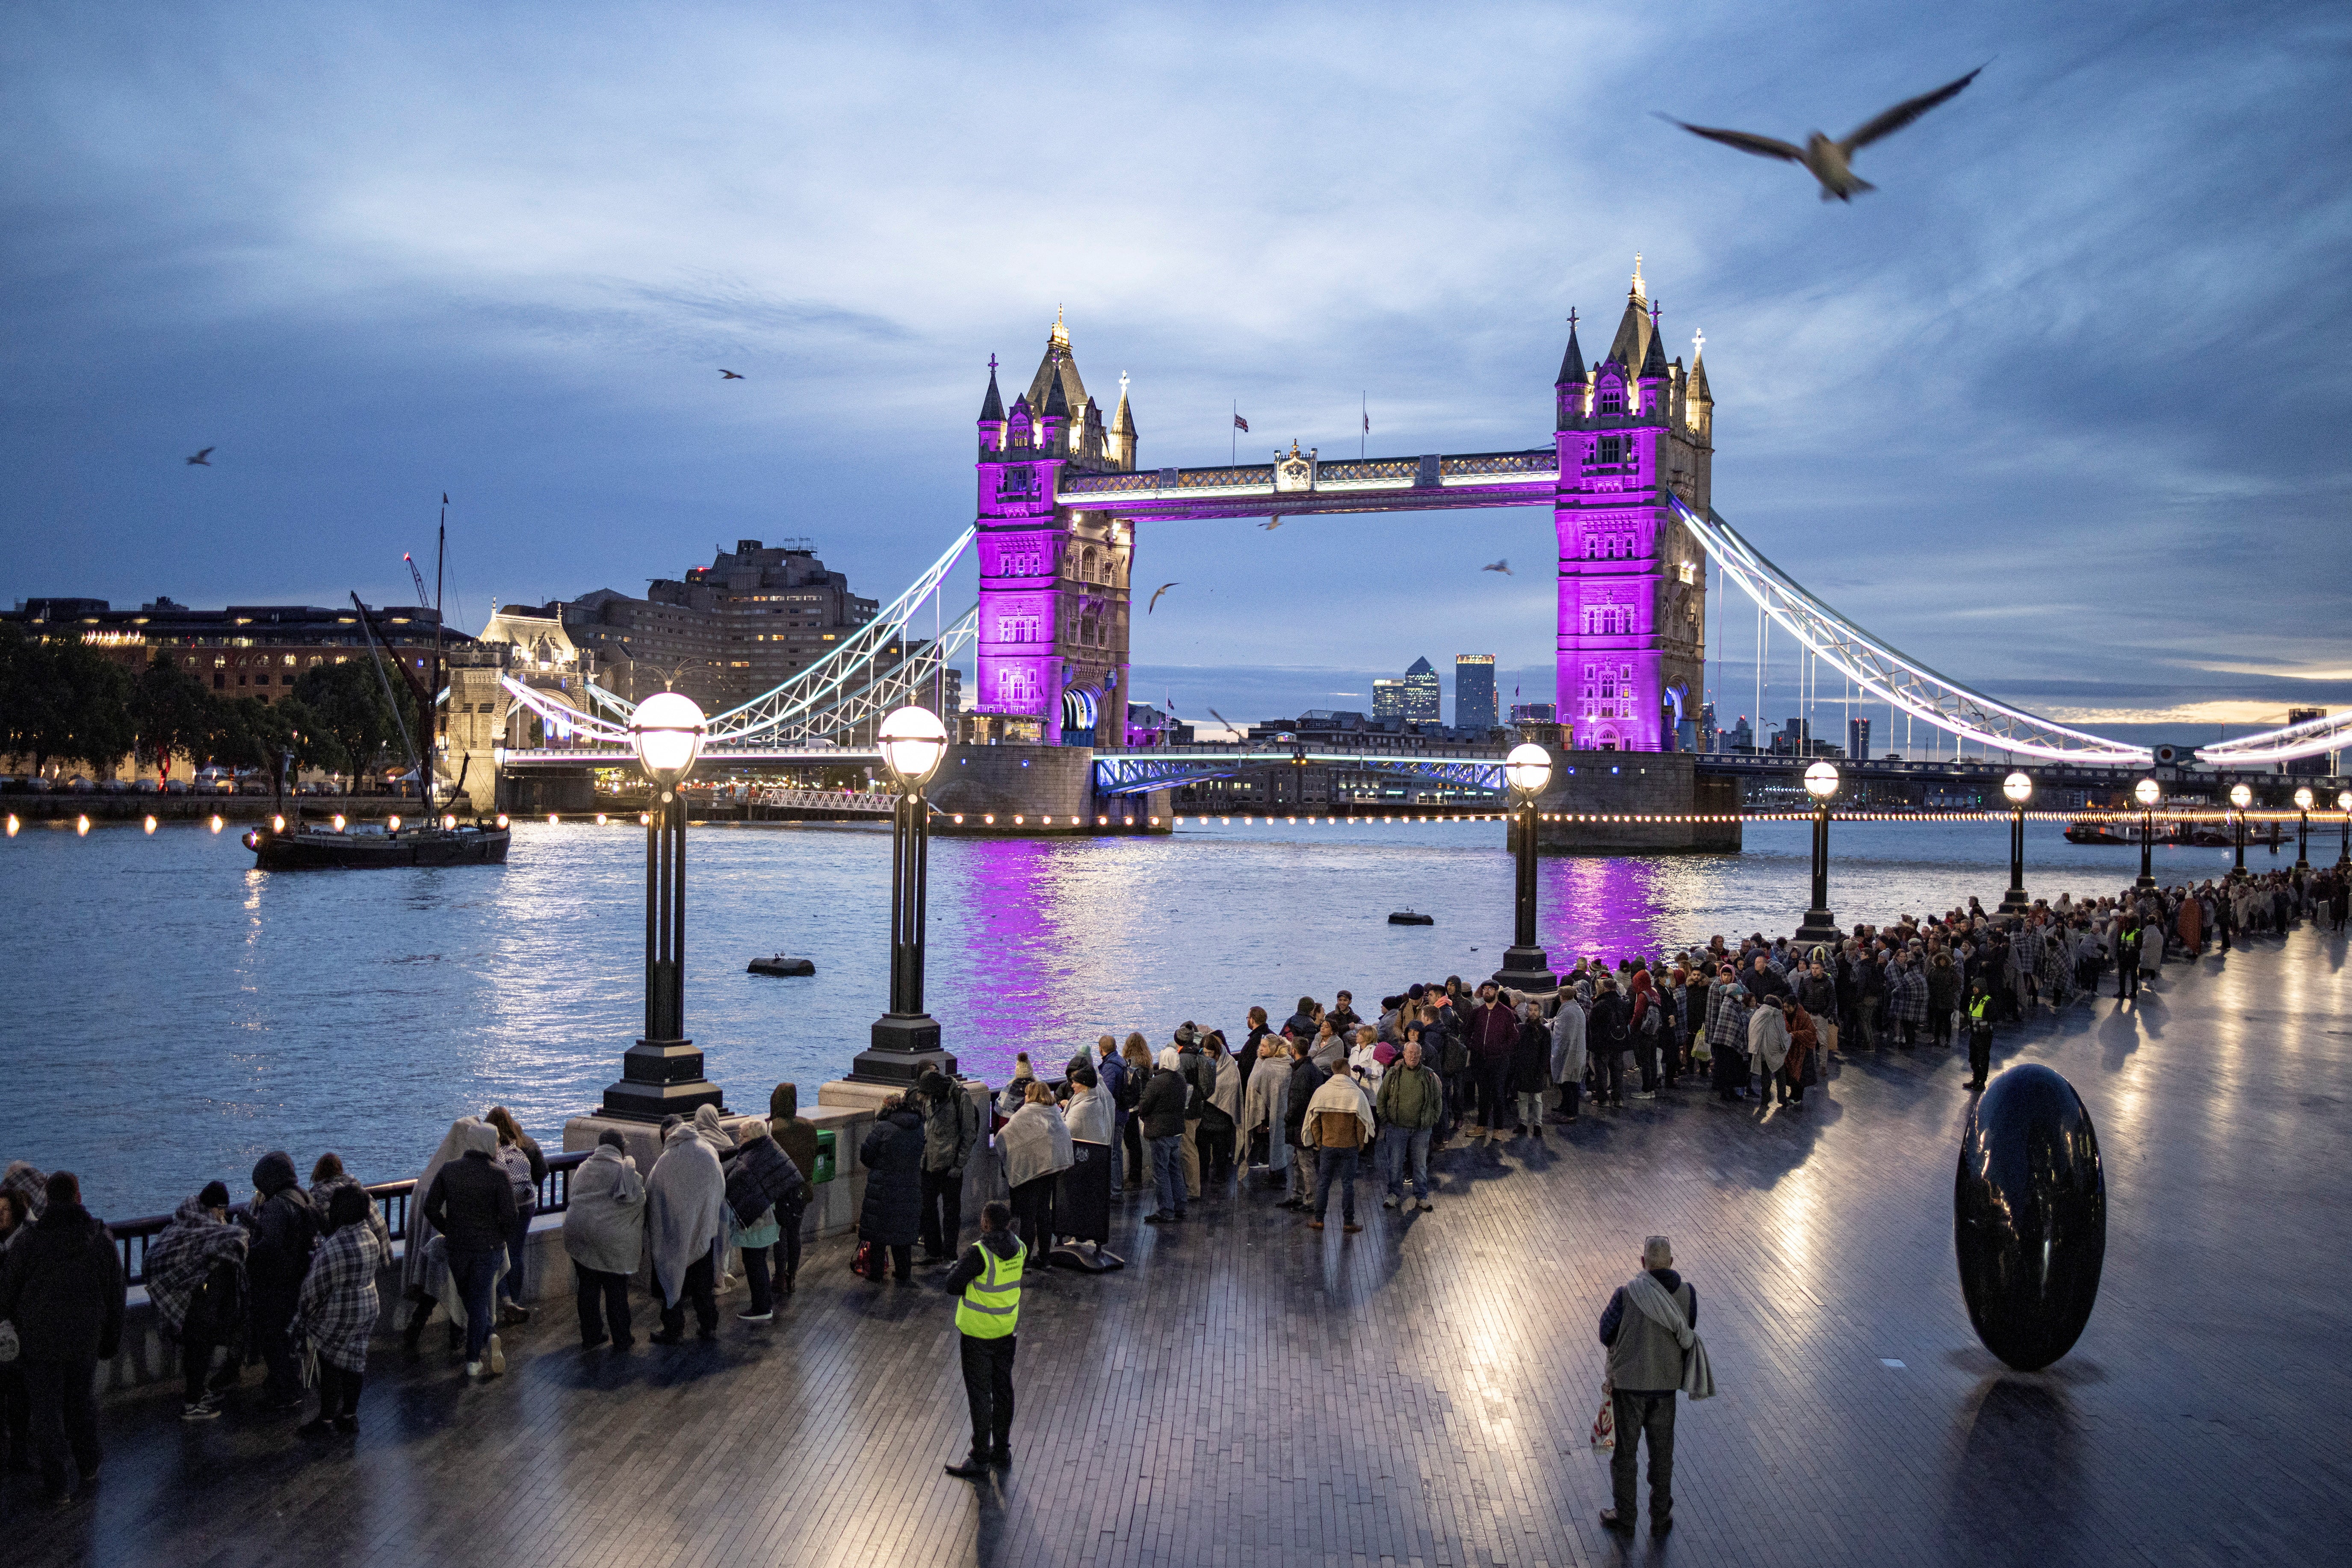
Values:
[(2029, 1217)]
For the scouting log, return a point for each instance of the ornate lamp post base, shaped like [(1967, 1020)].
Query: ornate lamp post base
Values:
[(905, 1047), (1820, 926), (658, 1079), (1526, 968)]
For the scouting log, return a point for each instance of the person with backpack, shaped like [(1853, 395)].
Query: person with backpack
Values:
[(285, 1228), (525, 1167), (765, 1192), (1648, 1023), (195, 1277), (1338, 1127), (950, 1132), (1443, 1045), (339, 1308), (62, 1287)]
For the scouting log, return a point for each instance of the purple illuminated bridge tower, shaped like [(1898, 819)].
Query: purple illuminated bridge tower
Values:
[(1054, 576), (1633, 583)]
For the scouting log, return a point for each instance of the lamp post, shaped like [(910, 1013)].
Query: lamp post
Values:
[(2018, 789), (2147, 792), (2303, 828), (905, 1041), (2344, 804), (1526, 965), (661, 1075), (1821, 925), (2242, 798)]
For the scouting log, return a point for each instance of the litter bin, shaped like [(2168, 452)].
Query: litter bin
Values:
[(824, 1150)]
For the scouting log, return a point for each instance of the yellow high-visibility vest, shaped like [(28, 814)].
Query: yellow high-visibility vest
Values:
[(989, 1308), (1977, 1008)]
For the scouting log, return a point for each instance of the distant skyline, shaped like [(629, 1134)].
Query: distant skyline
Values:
[(2050, 410)]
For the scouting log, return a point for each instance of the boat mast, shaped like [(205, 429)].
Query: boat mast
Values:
[(432, 721)]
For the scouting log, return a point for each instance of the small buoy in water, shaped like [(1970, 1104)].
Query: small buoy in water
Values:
[(781, 965)]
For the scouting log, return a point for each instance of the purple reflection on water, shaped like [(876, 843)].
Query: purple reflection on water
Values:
[(1595, 905), (1012, 952)]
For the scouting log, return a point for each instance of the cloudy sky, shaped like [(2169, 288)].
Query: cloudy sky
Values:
[(2059, 410)]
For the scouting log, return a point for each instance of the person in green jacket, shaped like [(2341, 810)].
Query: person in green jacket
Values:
[(1411, 1100)]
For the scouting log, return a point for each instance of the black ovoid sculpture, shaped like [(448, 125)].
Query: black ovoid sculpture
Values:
[(2029, 1217)]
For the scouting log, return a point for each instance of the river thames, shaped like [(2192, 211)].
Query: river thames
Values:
[(174, 1014)]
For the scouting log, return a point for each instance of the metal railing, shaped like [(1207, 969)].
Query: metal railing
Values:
[(554, 1197)]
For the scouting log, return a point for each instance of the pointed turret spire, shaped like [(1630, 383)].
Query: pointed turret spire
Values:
[(1122, 423), (1631, 347), (1653, 357), (1057, 403), (1572, 365), (991, 408), (1696, 389)]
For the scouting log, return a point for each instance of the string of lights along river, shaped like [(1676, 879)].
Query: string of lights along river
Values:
[(173, 1014)]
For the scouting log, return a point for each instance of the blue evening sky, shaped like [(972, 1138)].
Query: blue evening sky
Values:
[(2059, 409)]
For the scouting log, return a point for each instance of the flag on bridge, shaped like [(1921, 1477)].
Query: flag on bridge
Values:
[(1240, 423)]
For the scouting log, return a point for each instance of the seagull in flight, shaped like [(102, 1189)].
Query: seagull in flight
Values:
[(728, 375), (1504, 566), (1271, 523), (1832, 163), (1155, 598), (1225, 722), (203, 459)]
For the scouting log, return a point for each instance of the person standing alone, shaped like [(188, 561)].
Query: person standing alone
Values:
[(62, 1285), (986, 1282), (1649, 1328)]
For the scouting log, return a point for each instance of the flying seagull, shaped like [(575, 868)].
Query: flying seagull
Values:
[(1504, 566), (1832, 161), (1271, 522), (728, 375), (1155, 598), (1225, 722), (203, 459)]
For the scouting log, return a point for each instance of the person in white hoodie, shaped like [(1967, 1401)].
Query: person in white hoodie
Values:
[(1568, 1054)]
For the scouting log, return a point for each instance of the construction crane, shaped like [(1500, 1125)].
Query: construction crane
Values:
[(423, 600)]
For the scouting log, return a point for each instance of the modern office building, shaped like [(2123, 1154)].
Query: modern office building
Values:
[(1857, 737), (1387, 698), (1424, 696), (1473, 691)]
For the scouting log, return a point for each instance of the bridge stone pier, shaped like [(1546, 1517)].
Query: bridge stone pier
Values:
[(1048, 789)]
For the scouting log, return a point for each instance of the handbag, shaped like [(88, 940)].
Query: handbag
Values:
[(864, 1263), (1604, 1425)]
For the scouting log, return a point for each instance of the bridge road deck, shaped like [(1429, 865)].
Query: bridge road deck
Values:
[(1248, 1393)]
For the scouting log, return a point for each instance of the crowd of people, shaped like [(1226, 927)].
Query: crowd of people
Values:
[(289, 1279)]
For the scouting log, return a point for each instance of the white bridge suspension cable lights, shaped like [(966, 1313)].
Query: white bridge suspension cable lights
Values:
[(1894, 678), (2329, 732)]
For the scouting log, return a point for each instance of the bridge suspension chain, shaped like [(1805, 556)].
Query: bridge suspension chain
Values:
[(2329, 732), (1889, 675)]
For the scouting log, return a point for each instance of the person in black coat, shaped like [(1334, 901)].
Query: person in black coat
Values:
[(1162, 1110), (1306, 1078), (892, 1216), (285, 1228), (62, 1285), (472, 1205)]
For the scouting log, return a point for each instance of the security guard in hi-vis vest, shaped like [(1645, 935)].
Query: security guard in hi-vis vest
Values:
[(986, 1283)]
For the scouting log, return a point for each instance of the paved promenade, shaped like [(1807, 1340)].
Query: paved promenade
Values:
[(1249, 1393)]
